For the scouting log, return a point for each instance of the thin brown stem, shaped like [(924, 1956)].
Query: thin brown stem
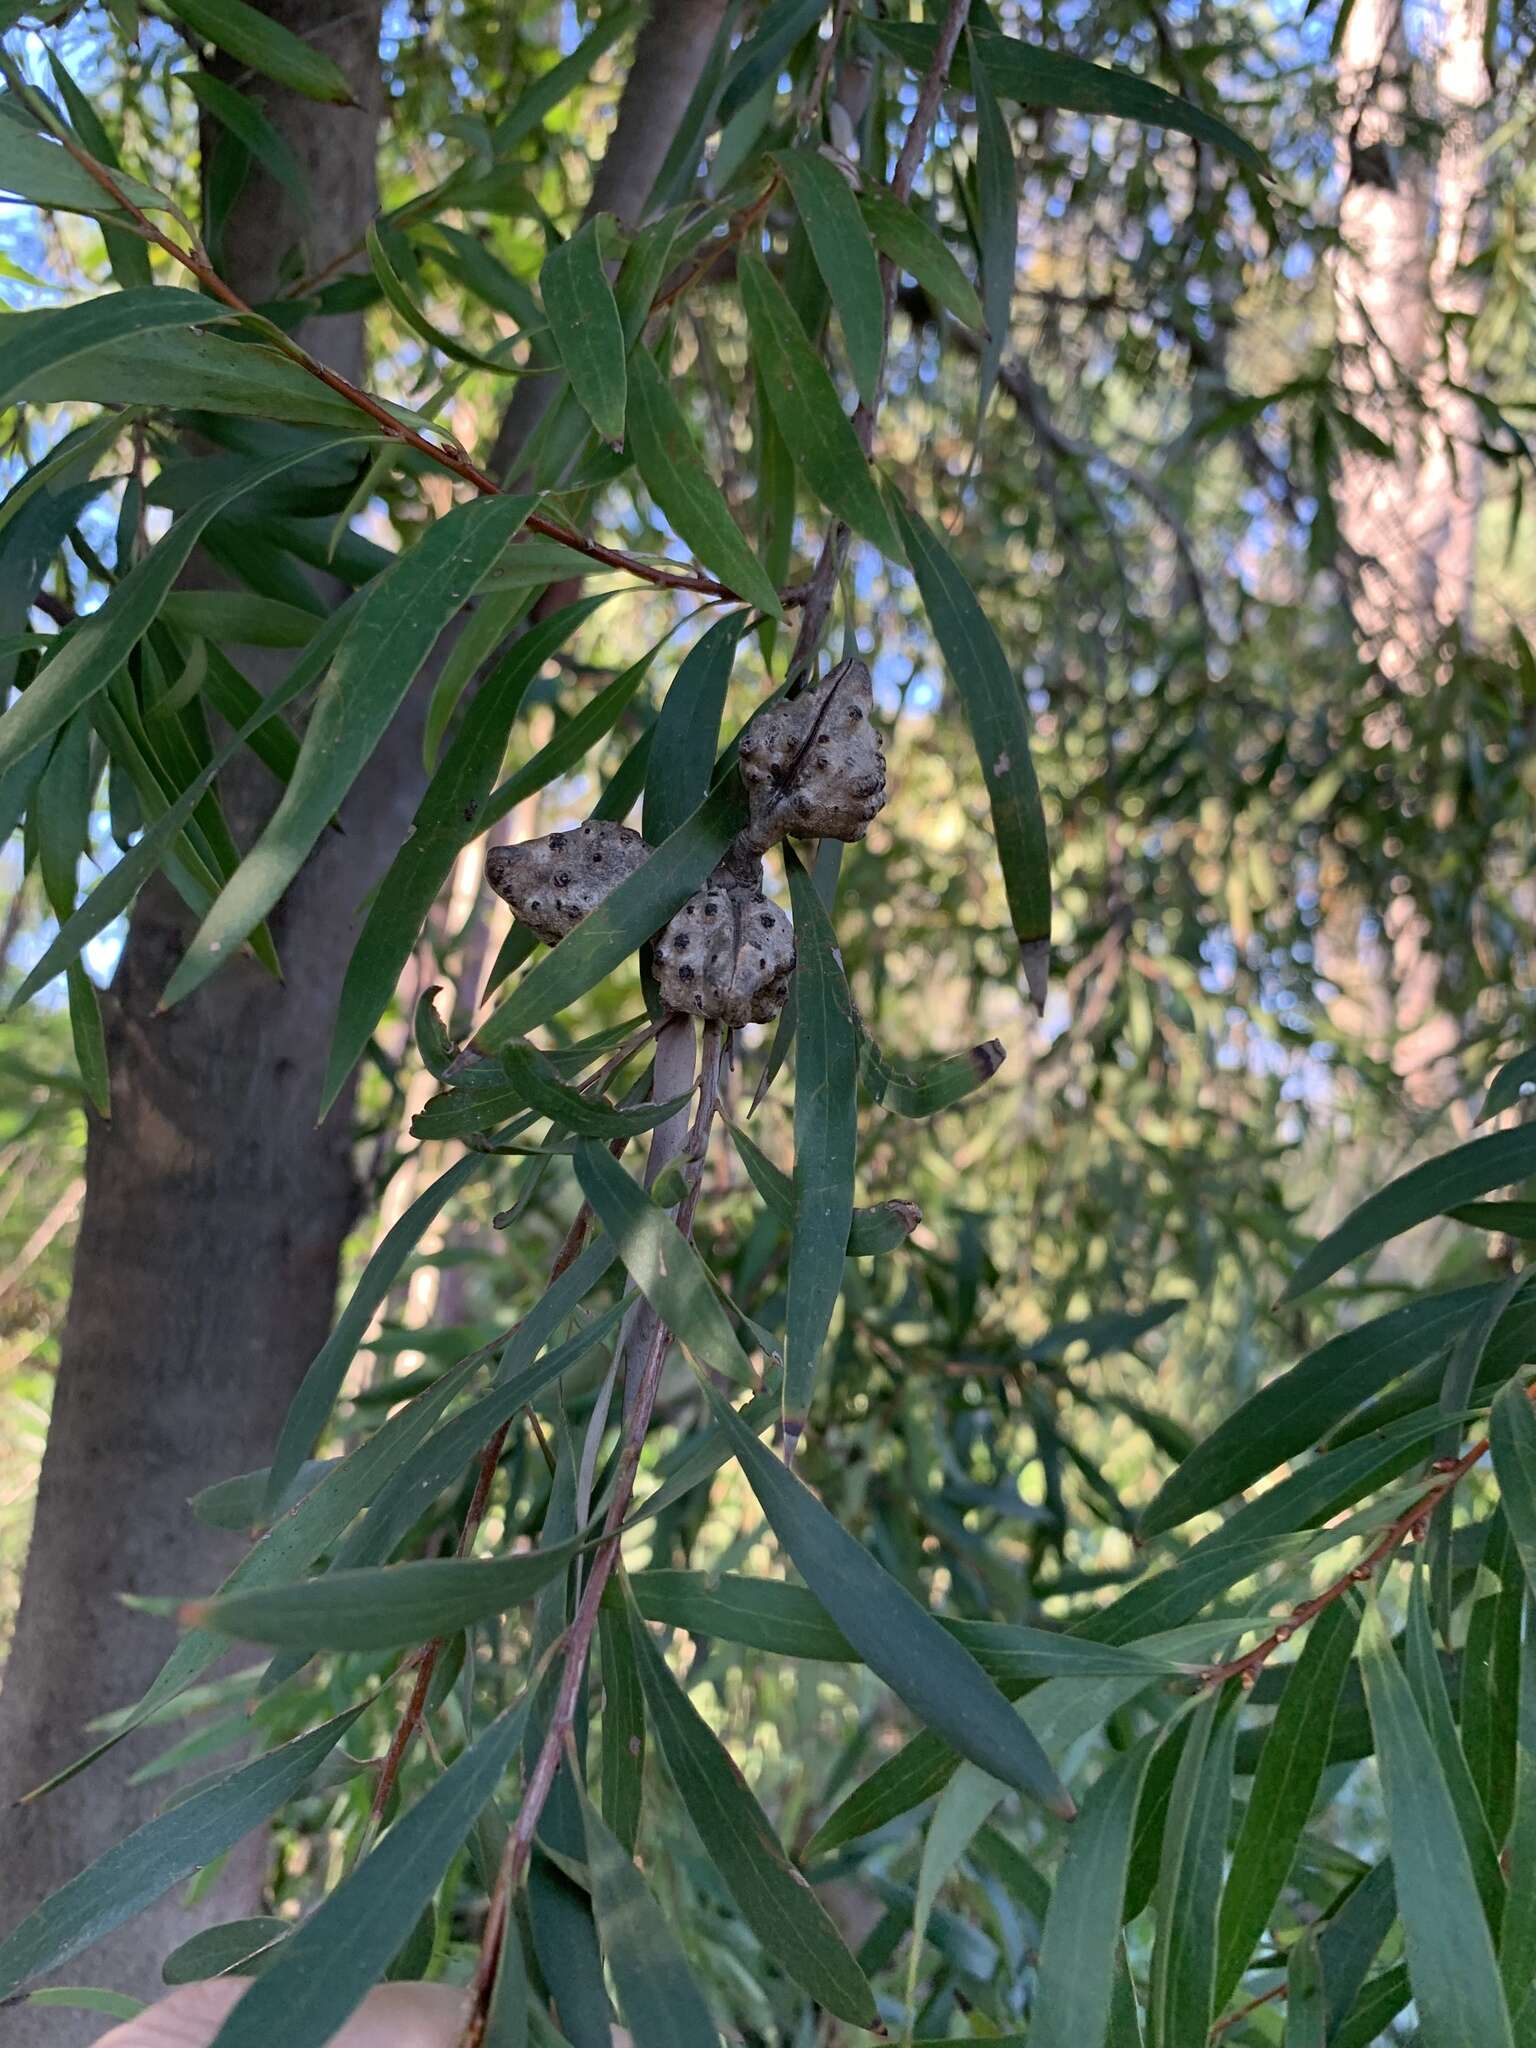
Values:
[(737, 227)]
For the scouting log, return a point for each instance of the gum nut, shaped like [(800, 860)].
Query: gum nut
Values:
[(728, 955), (552, 883), (814, 764)]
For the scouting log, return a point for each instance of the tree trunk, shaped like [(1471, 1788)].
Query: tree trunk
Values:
[(214, 1216)]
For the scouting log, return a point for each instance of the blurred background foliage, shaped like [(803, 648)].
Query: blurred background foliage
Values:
[(1292, 878)]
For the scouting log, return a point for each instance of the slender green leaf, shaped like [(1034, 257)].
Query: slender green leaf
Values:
[(671, 470), (1284, 1791), (326, 1967), (935, 1086), (661, 1262), (254, 38), (1189, 1879), (242, 116), (97, 649), (557, 84), (398, 621), (994, 706), (1512, 1219), (936, 1676), (1507, 1085), (635, 910), (219, 1951), (997, 225), (1517, 1934), (1074, 1984), (686, 735), (659, 2000), (385, 1607), (88, 1998), (1429, 1190), (160, 1854), (1512, 1433), (914, 247), (623, 1725), (57, 337), (826, 1142), (1451, 1961), (845, 256), (881, 1228), (39, 170), (386, 258), (448, 812), (1427, 1683), (540, 1086), (770, 1894), (803, 399), (1306, 2008), (585, 327), (1034, 76)]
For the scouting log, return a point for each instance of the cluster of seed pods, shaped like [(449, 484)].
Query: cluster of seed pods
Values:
[(812, 765)]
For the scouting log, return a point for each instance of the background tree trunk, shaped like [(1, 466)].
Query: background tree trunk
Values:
[(214, 1216)]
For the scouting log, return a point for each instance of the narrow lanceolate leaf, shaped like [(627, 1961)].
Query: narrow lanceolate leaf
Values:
[(311, 1406), (661, 1262), (1517, 1935), (1429, 1190), (993, 701), (1033, 76), (386, 258), (40, 170), (878, 1229), (804, 402), (585, 327), (997, 222), (446, 816), (96, 650), (218, 1951), (573, 742), (1074, 1986), (341, 1951), (623, 1719), (1284, 1790), (845, 256), (1296, 1409), (686, 735), (826, 1141), (56, 337), (1306, 2007), (539, 1085), (398, 622), (936, 1085), (254, 38), (1504, 1090), (1189, 1879), (770, 1894), (673, 473), (160, 1854), (240, 114), (899, 1640), (1426, 1682), (1451, 1963), (914, 247), (385, 1607), (1512, 1432), (659, 2001), (639, 907)]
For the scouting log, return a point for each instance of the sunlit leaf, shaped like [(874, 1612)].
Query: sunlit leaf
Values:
[(585, 327), (254, 38)]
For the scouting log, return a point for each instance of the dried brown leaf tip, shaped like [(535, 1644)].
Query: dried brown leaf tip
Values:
[(552, 883), (814, 764), (728, 954)]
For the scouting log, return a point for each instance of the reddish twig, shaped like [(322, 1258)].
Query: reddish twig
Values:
[(1264, 1998), (735, 229)]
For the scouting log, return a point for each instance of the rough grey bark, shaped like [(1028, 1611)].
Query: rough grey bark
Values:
[(215, 1211)]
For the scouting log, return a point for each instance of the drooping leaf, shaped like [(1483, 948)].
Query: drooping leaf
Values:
[(657, 1997), (637, 908), (137, 1870), (826, 1142), (38, 169), (1075, 1979), (623, 1721), (57, 337), (97, 649), (540, 1086), (1517, 1934), (237, 1945), (878, 1229), (845, 256), (254, 38), (1189, 1879), (1424, 1191), (771, 1896), (242, 116), (661, 1262), (1451, 1960), (935, 1086), (1426, 1681), (913, 246), (387, 257), (1290, 1769), (398, 621), (556, 85), (585, 327), (671, 470), (327, 1966), (993, 701), (686, 734), (1512, 1434), (384, 1607), (804, 402), (1306, 2007), (997, 225), (899, 1640), (573, 741), (447, 814)]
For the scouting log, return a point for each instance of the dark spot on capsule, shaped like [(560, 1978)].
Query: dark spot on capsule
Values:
[(762, 960), (597, 860), (535, 902), (854, 714), (766, 921), (710, 909), (561, 880), (685, 974)]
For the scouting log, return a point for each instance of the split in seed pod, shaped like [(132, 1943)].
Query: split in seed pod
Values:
[(552, 883), (814, 765), (728, 954)]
